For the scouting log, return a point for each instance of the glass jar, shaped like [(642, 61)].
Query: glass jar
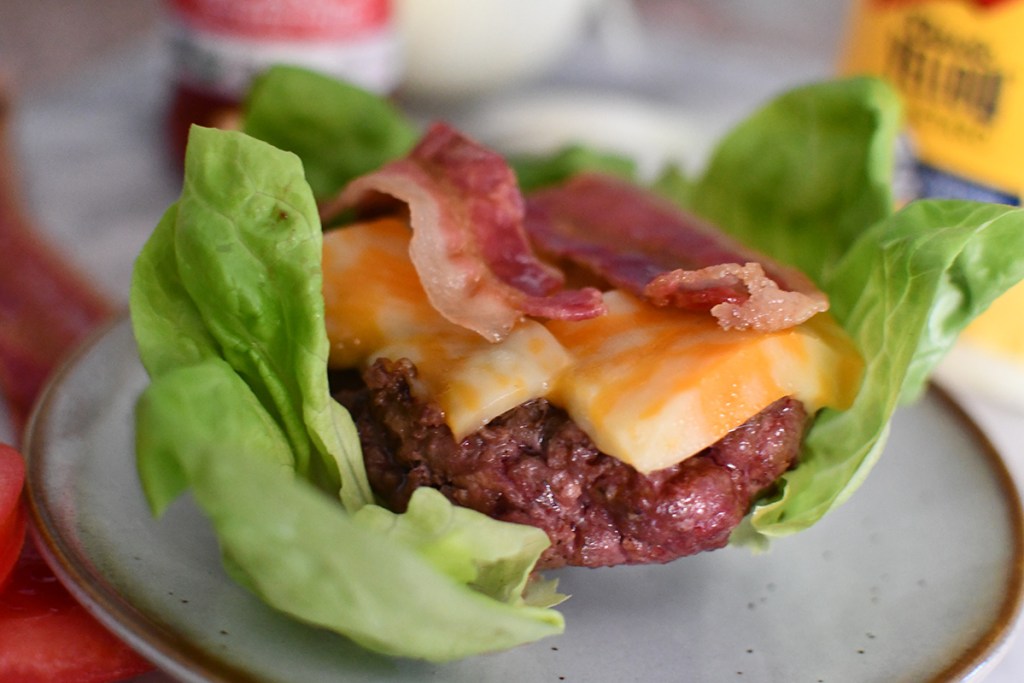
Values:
[(218, 46)]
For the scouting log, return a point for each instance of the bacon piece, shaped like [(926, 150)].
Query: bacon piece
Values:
[(766, 307), (468, 243), (640, 243)]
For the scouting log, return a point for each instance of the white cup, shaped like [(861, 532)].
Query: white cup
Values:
[(462, 48)]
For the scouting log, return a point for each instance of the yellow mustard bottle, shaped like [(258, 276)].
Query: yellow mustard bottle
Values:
[(959, 67)]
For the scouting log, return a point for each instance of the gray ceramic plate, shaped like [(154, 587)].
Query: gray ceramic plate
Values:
[(917, 578)]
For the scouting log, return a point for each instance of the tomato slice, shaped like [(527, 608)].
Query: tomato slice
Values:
[(12, 512), (47, 637)]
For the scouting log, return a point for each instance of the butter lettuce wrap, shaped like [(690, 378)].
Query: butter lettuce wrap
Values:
[(228, 316), (227, 311)]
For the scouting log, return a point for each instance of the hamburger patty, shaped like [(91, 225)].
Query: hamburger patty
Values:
[(534, 465)]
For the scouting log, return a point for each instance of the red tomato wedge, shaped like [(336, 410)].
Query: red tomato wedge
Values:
[(12, 512), (47, 637)]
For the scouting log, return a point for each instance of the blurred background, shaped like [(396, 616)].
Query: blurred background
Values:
[(46, 42), (90, 85)]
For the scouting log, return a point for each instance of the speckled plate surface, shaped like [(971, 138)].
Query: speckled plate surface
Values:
[(916, 578)]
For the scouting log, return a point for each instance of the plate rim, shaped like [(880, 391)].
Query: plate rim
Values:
[(180, 658), (143, 632), (988, 649)]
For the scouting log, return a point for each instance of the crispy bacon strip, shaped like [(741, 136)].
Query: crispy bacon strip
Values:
[(468, 243), (644, 245)]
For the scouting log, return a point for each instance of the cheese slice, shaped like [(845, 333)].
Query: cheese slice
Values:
[(473, 380), (375, 308), (372, 294), (651, 386)]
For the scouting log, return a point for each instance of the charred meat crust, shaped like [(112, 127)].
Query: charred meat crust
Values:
[(534, 465)]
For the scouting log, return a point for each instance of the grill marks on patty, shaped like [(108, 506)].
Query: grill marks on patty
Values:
[(534, 465)]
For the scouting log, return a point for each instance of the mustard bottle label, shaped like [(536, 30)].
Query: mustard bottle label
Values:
[(958, 65)]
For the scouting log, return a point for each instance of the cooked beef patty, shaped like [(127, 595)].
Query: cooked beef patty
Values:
[(534, 465)]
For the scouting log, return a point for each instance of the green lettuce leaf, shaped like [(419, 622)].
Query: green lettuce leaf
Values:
[(538, 170), (807, 179), (228, 272), (437, 583), (228, 315), (169, 329), (495, 559), (339, 130), (903, 291), (169, 332), (803, 177)]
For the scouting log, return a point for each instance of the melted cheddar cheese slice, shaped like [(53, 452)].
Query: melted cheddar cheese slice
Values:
[(372, 294), (650, 386), (376, 308), (655, 385)]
